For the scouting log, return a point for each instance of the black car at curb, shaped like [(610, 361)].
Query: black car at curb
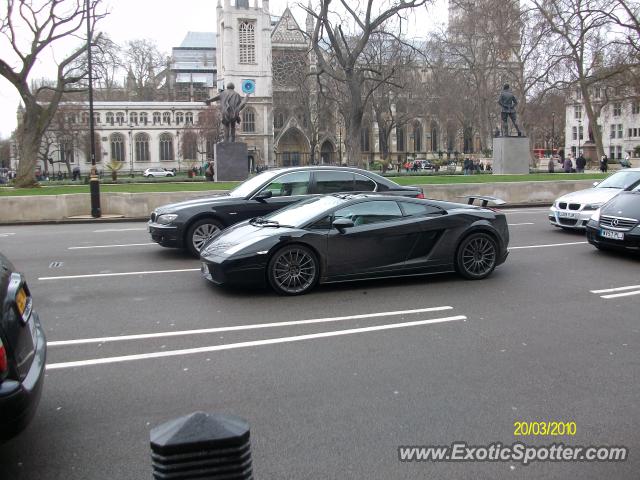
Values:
[(347, 237), (191, 223), (616, 225), (23, 352)]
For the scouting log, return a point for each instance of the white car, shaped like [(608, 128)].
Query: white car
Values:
[(158, 172), (573, 210)]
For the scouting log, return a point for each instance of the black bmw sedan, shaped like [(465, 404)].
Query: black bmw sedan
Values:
[(22, 352), (190, 224), (616, 225), (344, 237)]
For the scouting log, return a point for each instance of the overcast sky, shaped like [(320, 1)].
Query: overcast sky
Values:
[(166, 22)]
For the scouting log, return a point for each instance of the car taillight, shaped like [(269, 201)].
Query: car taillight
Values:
[(4, 364), (420, 195)]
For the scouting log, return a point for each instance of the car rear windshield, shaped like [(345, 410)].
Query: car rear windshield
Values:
[(620, 180), (300, 213)]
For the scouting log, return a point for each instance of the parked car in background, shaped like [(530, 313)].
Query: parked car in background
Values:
[(23, 351), (425, 165), (573, 210), (158, 172), (616, 225), (345, 237), (190, 224)]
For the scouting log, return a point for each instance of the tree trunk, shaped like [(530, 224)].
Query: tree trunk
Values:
[(28, 148)]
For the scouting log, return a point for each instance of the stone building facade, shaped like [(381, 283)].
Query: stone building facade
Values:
[(286, 121)]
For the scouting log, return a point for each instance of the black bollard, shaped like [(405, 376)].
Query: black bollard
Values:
[(203, 446)]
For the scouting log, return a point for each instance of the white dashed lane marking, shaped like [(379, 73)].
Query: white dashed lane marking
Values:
[(144, 336), (112, 246), (254, 343), (612, 292)]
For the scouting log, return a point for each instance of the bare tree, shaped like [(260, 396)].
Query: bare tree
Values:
[(339, 39), (107, 64), (45, 24), (582, 28), (145, 61)]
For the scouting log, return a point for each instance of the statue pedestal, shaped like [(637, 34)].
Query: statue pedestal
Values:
[(231, 161), (590, 154), (511, 155)]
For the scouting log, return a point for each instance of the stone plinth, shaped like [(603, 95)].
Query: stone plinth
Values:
[(511, 155), (231, 162)]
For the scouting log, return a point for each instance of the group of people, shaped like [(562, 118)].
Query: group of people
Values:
[(568, 165), (471, 166)]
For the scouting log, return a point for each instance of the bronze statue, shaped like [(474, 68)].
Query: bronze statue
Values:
[(508, 103), (231, 104)]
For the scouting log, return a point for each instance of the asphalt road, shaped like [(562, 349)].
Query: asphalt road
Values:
[(530, 343)]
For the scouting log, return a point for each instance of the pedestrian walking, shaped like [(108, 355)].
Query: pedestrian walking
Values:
[(568, 164), (551, 165), (581, 162), (603, 164)]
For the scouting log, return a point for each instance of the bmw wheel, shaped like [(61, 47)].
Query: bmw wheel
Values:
[(293, 270), (476, 256), (200, 232)]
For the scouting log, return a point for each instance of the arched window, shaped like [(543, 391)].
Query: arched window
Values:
[(156, 118), (188, 118), (133, 118), (142, 147), (417, 137), (190, 145), (278, 120), (117, 147), (364, 139), (110, 118), (247, 43), (166, 147), (248, 120), (119, 118), (166, 118), (179, 118), (144, 118), (96, 117), (399, 139), (85, 118)]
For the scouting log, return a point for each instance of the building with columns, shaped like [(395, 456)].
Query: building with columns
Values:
[(286, 121)]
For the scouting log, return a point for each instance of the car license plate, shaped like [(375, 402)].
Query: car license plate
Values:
[(611, 234), (567, 214), (23, 304)]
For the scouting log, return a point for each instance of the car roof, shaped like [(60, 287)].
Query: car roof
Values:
[(316, 168)]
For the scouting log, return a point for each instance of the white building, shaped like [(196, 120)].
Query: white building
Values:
[(619, 123)]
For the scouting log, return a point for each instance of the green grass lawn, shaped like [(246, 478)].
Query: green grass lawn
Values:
[(209, 186)]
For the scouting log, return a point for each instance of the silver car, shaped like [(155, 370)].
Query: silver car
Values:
[(573, 210)]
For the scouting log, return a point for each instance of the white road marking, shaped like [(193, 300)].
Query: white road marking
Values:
[(616, 295), (524, 211), (548, 245), (243, 327), (120, 230), (112, 246), (96, 275), (517, 224), (255, 343), (617, 289), (6, 234)]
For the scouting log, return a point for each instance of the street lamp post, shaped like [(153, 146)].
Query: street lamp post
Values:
[(579, 135), (553, 131), (94, 182), (130, 153), (340, 144)]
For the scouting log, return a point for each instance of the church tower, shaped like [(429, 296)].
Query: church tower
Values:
[(243, 57)]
